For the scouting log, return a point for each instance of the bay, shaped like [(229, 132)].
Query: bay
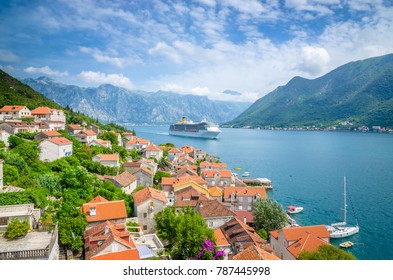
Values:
[(307, 169)]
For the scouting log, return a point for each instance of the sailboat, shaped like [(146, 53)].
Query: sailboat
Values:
[(341, 229)]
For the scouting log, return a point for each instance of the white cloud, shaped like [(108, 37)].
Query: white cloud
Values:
[(210, 3), (163, 49), (99, 56), (45, 70), (315, 60), (98, 78), (8, 56)]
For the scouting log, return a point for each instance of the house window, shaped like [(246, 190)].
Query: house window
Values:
[(249, 199), (151, 203), (240, 207), (3, 221), (240, 199), (249, 208), (145, 215), (144, 227)]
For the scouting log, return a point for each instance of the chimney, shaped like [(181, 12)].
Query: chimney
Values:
[(93, 211), (245, 219)]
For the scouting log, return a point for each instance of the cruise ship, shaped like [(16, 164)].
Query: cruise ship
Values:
[(201, 129)]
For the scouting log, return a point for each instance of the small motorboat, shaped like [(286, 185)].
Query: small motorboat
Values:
[(346, 244), (238, 168), (294, 209), (246, 174)]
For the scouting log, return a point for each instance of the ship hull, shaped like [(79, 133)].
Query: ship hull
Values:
[(196, 134)]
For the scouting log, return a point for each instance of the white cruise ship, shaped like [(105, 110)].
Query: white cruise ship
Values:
[(201, 129)]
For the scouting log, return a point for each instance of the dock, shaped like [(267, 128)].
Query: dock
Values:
[(258, 182)]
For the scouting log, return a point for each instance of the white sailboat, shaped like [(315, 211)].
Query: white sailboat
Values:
[(341, 229)]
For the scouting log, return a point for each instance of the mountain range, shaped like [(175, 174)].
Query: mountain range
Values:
[(109, 103), (357, 93)]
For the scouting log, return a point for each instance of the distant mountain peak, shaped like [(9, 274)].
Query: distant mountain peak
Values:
[(359, 92)]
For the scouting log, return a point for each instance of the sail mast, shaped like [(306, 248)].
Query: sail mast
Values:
[(345, 200)]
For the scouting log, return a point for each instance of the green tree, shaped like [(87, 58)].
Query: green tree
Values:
[(17, 228), (11, 174), (326, 252), (2, 145), (163, 163), (185, 231), (14, 141), (110, 136), (268, 214), (263, 233), (51, 182), (159, 174)]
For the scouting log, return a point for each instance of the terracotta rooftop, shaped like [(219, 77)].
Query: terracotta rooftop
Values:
[(255, 253), (103, 142), (245, 191), (295, 233), (187, 149), (99, 240), (132, 164), (12, 108), (42, 111), (104, 210), (89, 132), (211, 173), (125, 178), (241, 214), (60, 141), (216, 191), (152, 148), (145, 170), (189, 197), (136, 140), (213, 208), (108, 157), (75, 126), (221, 240), (146, 193), (308, 242), (52, 133), (241, 235)]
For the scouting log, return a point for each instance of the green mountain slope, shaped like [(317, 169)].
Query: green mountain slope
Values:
[(13, 92), (359, 92)]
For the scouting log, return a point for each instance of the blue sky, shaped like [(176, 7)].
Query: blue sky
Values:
[(202, 47)]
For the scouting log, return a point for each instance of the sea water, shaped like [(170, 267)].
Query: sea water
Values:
[(307, 169)]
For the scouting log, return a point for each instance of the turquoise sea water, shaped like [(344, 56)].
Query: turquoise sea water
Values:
[(307, 169)]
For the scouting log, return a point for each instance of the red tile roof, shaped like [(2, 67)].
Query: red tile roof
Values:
[(75, 126), (108, 157), (144, 170), (241, 235), (295, 233), (125, 178), (89, 132), (99, 240), (60, 141), (211, 173), (245, 191), (105, 210), (189, 197), (42, 111), (255, 253), (216, 191), (308, 242), (12, 108), (213, 208), (221, 240), (146, 193), (52, 133), (152, 148), (241, 214), (135, 140)]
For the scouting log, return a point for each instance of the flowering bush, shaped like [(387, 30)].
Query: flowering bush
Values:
[(209, 252)]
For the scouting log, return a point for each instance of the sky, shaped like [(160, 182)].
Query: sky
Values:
[(234, 50)]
